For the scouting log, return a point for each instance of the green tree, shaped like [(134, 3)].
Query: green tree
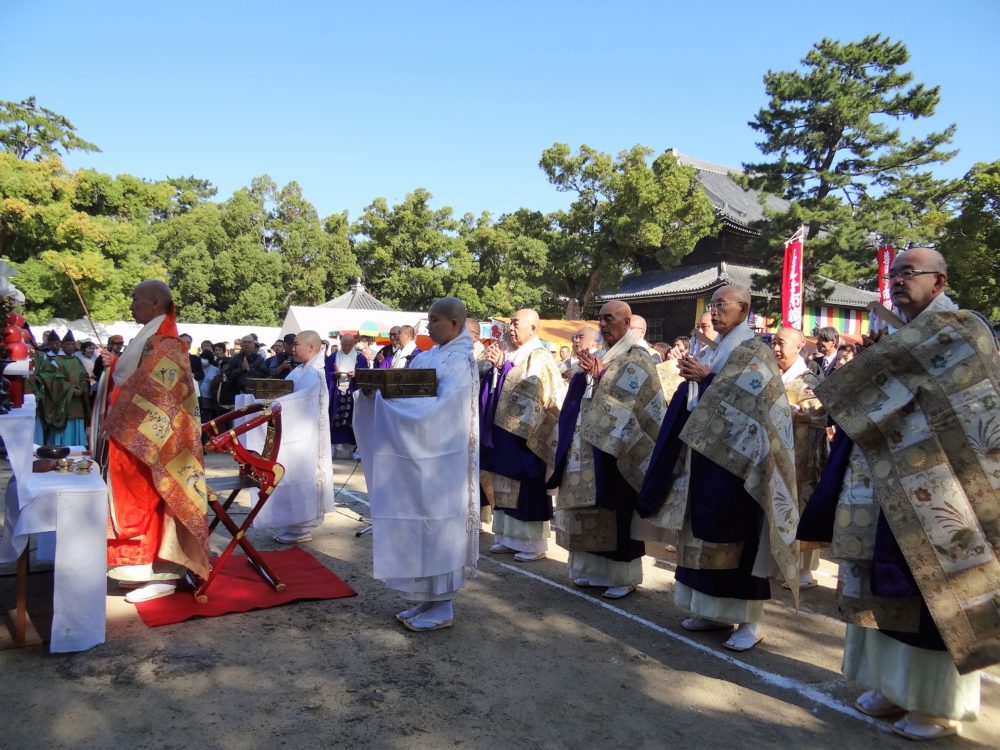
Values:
[(627, 213), (315, 262), (511, 264), (33, 128), (838, 155), (972, 242), (411, 254), (51, 228)]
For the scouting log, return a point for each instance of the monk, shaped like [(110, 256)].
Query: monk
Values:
[(909, 500), (156, 473), (519, 410), (722, 479)]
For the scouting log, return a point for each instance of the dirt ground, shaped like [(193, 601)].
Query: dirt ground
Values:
[(532, 662)]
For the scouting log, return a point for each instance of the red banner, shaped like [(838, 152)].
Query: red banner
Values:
[(885, 256), (791, 285)]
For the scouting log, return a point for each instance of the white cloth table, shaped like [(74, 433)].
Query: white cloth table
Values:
[(75, 507)]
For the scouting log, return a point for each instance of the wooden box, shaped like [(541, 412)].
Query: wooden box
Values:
[(405, 383), (586, 529), (267, 388)]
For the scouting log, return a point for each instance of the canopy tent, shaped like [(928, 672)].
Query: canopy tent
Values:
[(214, 332), (558, 333), (324, 320)]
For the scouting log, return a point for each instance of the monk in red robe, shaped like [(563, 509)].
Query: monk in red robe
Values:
[(157, 529)]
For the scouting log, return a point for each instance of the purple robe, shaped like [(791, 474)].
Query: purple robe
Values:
[(387, 354), (891, 576), (505, 453), (612, 489), (722, 511), (341, 405)]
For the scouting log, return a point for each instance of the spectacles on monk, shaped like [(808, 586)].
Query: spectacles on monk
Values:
[(719, 304), (906, 274)]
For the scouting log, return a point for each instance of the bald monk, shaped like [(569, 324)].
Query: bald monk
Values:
[(607, 430), (424, 493), (519, 399), (305, 493), (156, 473), (909, 499), (722, 479)]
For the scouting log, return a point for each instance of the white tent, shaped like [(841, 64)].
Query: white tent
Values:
[(199, 332), (323, 320)]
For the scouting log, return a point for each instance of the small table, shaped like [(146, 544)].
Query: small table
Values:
[(75, 507)]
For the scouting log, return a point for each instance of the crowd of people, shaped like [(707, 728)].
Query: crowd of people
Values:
[(743, 456)]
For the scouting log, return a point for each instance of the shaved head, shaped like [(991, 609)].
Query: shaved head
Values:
[(307, 345), (786, 345), (150, 298), (638, 325), (928, 277), (446, 320), (583, 340), (614, 320), (523, 326), (729, 307)]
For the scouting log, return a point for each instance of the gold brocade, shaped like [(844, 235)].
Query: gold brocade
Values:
[(811, 444), (155, 419), (529, 403), (743, 424), (528, 407), (670, 378), (623, 417), (923, 407)]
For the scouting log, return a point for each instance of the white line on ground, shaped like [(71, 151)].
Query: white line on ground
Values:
[(770, 678), (353, 497)]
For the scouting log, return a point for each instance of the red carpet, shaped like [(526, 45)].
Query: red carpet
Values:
[(237, 588)]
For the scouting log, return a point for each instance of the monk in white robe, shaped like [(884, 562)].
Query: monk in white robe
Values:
[(305, 493), (425, 494)]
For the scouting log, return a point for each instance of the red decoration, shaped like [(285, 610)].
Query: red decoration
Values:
[(12, 334), (791, 284), (885, 255), (17, 351)]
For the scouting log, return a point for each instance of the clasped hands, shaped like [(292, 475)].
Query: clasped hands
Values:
[(691, 369)]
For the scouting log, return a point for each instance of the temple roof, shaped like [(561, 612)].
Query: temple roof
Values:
[(737, 207), (699, 280), (356, 299)]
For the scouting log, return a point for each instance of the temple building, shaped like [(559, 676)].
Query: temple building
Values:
[(672, 299)]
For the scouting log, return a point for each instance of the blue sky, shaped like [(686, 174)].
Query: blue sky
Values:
[(360, 100)]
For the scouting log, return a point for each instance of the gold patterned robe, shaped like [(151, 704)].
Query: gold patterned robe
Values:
[(922, 407)]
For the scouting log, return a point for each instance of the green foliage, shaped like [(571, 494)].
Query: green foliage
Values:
[(511, 263), (626, 212), (972, 243), (839, 157), (411, 254), (33, 128)]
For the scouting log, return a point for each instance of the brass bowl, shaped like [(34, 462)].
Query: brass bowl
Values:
[(63, 464), (83, 466)]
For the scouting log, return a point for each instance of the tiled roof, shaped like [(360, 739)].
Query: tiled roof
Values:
[(356, 299), (698, 280), (734, 204)]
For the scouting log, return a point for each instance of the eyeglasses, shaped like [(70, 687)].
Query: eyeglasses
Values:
[(719, 304), (906, 274)]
